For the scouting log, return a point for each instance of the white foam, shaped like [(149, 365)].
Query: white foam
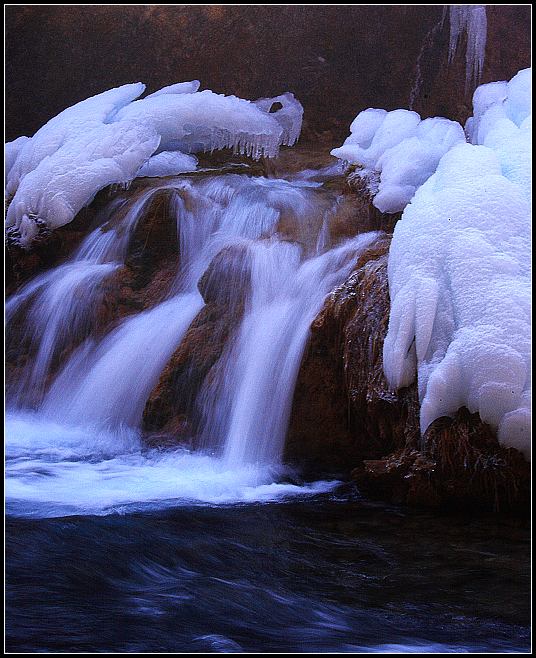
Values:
[(56, 470)]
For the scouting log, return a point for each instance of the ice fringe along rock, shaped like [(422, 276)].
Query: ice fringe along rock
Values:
[(395, 152), (459, 274), (111, 138)]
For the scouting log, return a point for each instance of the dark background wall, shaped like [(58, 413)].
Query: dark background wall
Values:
[(338, 60)]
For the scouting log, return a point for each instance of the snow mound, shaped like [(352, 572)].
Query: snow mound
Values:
[(178, 88), (11, 153), (395, 152), (459, 275), (112, 138), (502, 120), (205, 121)]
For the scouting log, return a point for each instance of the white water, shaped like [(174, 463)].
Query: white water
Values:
[(55, 470), (81, 451), (248, 406)]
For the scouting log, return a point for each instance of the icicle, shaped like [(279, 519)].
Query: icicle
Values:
[(470, 19)]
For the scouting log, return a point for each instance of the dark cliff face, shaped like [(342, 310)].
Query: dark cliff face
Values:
[(338, 60)]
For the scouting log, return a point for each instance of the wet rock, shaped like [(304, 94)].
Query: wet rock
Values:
[(170, 409), (145, 279), (226, 280), (49, 249)]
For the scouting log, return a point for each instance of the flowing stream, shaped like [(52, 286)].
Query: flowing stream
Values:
[(117, 546), (74, 426)]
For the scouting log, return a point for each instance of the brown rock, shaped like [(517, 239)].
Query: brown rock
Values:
[(170, 409)]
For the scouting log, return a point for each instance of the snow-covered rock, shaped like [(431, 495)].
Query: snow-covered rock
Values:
[(11, 153), (111, 138), (71, 123), (66, 181), (205, 121), (459, 274), (395, 152)]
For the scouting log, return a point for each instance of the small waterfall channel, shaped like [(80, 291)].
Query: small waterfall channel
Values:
[(74, 425)]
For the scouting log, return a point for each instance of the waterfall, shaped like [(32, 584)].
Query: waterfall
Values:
[(59, 306), (109, 385), (257, 374), (270, 237)]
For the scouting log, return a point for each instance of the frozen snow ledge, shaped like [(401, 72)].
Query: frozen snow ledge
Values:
[(113, 138), (459, 274)]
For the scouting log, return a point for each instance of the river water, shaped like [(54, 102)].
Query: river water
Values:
[(330, 572)]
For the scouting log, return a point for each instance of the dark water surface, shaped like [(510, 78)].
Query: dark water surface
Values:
[(324, 574)]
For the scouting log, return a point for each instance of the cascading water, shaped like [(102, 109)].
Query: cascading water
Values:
[(257, 374), (59, 306), (93, 459)]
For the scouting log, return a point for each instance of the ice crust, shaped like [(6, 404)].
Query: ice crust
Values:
[(395, 152), (11, 153), (66, 181), (69, 124), (459, 274), (112, 138)]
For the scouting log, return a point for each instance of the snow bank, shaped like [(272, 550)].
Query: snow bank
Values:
[(395, 152), (111, 138), (502, 120), (11, 153), (459, 274), (206, 121), (70, 123)]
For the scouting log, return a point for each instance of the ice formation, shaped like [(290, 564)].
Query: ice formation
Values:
[(502, 120), (11, 153), (289, 116), (111, 138), (69, 124), (205, 121), (472, 20), (459, 274), (178, 88), (66, 181), (168, 163), (395, 152)]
